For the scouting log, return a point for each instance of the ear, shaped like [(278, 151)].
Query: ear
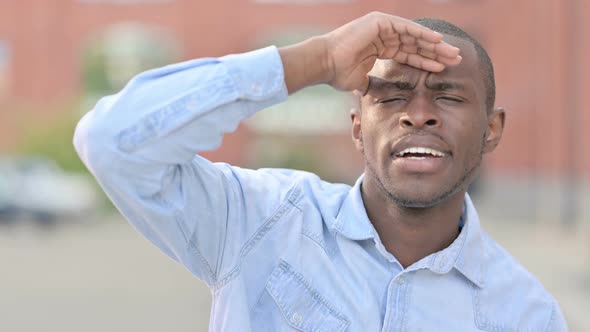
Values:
[(496, 121), (355, 117)]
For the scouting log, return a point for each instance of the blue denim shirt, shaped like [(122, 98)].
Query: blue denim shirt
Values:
[(282, 250)]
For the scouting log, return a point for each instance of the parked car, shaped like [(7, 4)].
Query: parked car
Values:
[(8, 210), (37, 187)]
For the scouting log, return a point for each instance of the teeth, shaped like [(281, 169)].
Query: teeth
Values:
[(421, 150)]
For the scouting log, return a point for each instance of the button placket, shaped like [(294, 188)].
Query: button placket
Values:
[(396, 302), (400, 280)]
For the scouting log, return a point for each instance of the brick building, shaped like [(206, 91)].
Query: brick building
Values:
[(538, 48)]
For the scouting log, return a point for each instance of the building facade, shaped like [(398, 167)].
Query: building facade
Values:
[(538, 48)]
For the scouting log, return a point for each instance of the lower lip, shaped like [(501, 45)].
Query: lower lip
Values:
[(420, 165)]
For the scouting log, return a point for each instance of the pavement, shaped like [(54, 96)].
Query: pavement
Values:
[(103, 276)]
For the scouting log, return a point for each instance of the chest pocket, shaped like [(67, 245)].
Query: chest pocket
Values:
[(302, 305)]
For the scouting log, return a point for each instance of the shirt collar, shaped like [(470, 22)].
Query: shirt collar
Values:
[(466, 253), (472, 256), (352, 220)]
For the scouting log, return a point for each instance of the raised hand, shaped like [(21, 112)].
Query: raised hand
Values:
[(343, 57)]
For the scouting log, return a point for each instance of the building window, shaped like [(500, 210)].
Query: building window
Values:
[(310, 131), (4, 68), (122, 51), (316, 110)]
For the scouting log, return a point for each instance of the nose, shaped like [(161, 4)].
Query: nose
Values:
[(420, 112)]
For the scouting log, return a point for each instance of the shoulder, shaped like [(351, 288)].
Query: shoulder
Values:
[(285, 184), (503, 269), (511, 298), (284, 177)]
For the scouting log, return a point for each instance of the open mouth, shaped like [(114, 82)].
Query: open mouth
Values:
[(419, 153), (420, 160)]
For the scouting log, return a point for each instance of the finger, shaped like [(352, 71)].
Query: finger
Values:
[(437, 57), (414, 33), (427, 54), (407, 39), (363, 87), (450, 61), (389, 52), (420, 62), (401, 57), (393, 43), (413, 49), (403, 26), (379, 45), (425, 63), (415, 60), (410, 49), (444, 60), (441, 48)]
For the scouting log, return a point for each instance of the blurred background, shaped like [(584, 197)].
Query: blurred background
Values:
[(71, 263)]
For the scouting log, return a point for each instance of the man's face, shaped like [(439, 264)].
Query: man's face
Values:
[(423, 134)]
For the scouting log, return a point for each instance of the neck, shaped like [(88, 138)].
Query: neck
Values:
[(411, 234)]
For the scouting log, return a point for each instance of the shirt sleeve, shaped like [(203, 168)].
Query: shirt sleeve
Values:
[(557, 321), (141, 145)]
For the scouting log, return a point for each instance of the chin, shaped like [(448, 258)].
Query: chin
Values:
[(419, 199), (417, 202), (424, 192)]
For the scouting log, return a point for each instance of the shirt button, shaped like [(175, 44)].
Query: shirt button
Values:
[(401, 280), (296, 318)]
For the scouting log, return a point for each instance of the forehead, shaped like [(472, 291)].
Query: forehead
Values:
[(468, 69)]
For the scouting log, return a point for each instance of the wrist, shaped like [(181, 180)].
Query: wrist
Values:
[(319, 61), (306, 63)]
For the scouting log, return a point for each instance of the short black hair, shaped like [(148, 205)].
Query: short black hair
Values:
[(485, 63)]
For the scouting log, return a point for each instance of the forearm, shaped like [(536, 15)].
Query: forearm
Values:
[(165, 116)]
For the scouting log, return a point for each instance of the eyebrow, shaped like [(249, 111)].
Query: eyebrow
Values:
[(381, 84), (442, 86), (401, 84)]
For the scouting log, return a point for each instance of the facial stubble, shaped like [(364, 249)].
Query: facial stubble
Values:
[(460, 185)]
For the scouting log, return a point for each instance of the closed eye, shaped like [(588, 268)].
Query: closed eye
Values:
[(451, 99), (391, 100)]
